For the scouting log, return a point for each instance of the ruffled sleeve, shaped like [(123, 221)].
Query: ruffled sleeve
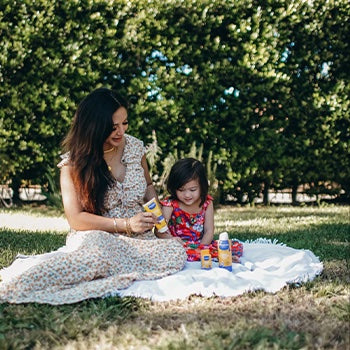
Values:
[(134, 150), (207, 201), (167, 202), (65, 160)]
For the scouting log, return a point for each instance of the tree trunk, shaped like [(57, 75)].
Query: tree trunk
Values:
[(294, 193), (15, 185), (266, 190)]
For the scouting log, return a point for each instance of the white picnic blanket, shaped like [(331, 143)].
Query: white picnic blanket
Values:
[(266, 265)]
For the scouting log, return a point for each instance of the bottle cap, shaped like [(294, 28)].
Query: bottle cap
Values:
[(223, 236)]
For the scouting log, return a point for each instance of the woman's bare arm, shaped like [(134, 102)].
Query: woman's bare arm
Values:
[(81, 220), (208, 225), (77, 218)]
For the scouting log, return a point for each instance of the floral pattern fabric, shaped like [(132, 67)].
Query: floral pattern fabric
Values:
[(96, 263), (189, 227)]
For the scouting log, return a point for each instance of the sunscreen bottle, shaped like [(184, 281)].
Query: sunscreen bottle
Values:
[(224, 252), (153, 207), (205, 258)]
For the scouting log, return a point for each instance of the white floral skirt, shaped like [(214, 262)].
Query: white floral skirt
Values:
[(92, 264)]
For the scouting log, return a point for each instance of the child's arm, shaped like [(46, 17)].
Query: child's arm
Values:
[(208, 225), (167, 235)]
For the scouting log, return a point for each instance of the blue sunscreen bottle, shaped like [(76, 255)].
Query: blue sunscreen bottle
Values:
[(224, 252)]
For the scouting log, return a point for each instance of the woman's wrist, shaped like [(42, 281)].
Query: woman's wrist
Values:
[(128, 229), (115, 225), (121, 225)]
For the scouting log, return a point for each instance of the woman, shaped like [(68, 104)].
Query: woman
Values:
[(104, 182)]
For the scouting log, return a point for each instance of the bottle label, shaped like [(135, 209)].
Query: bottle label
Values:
[(152, 205), (224, 245)]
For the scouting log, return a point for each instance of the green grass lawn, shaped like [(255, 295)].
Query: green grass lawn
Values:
[(315, 315)]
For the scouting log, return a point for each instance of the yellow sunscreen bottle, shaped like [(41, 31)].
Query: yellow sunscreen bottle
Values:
[(205, 258), (153, 207), (224, 252)]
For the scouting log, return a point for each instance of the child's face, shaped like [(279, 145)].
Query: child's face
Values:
[(190, 193)]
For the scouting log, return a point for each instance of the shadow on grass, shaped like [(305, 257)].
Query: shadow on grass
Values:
[(247, 322), (33, 324), (27, 242)]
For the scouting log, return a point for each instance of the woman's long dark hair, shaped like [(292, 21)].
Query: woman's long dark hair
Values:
[(92, 124)]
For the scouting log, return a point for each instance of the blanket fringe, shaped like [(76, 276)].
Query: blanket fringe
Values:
[(265, 241)]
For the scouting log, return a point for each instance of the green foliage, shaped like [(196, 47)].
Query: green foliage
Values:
[(52, 191), (264, 88)]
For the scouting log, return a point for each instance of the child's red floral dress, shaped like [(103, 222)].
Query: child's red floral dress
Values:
[(189, 227)]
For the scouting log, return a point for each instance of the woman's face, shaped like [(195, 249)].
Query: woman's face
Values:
[(120, 125)]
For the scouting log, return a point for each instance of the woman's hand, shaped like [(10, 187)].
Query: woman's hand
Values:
[(142, 222)]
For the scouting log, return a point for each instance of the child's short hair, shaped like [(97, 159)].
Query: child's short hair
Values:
[(185, 170)]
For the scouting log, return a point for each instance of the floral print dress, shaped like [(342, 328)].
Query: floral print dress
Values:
[(189, 227), (96, 263)]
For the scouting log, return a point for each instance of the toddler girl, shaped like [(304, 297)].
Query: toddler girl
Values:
[(189, 209)]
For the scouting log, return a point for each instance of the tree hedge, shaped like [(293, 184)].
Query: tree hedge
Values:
[(262, 86)]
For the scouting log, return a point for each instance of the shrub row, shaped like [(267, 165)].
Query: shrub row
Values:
[(262, 88)]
